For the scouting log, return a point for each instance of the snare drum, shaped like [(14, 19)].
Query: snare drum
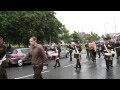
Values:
[(55, 54), (113, 52), (77, 55), (108, 56)]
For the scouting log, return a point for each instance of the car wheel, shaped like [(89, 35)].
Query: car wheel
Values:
[(20, 63)]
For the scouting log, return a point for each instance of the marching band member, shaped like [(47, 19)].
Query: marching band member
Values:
[(108, 53), (57, 49), (117, 47), (78, 50), (98, 49), (87, 49), (71, 48), (92, 49)]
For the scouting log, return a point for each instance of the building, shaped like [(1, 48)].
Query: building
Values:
[(114, 36)]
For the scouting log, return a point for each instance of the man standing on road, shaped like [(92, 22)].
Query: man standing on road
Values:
[(38, 57), (3, 65)]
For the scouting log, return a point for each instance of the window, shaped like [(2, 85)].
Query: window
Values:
[(14, 52), (25, 51)]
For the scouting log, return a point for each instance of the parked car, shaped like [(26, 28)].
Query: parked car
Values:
[(16, 54), (64, 53)]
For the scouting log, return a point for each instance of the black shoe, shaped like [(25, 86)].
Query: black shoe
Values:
[(54, 66), (75, 67), (111, 65), (58, 66), (107, 69)]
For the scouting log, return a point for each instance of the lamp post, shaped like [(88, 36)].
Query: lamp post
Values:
[(115, 24), (105, 28)]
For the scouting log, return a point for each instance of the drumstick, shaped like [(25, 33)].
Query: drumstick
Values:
[(76, 49), (106, 48)]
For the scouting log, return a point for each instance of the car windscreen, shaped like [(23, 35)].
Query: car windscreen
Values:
[(12, 52), (24, 51)]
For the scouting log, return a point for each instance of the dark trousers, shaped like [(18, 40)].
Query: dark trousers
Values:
[(78, 65), (3, 73), (117, 52), (87, 53), (70, 56), (108, 63), (57, 62), (98, 52), (93, 55), (37, 71)]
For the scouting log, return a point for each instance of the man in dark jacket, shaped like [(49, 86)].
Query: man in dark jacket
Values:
[(38, 58), (3, 49)]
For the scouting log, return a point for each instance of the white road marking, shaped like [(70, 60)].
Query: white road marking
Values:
[(29, 75), (48, 70), (73, 64)]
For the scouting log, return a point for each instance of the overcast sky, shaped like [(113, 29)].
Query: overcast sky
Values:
[(87, 21)]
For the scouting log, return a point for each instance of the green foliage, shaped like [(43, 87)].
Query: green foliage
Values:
[(93, 37), (19, 26)]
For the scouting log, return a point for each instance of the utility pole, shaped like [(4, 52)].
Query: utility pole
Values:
[(105, 29), (115, 24)]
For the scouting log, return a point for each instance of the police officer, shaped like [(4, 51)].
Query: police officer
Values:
[(78, 47), (3, 49), (57, 49)]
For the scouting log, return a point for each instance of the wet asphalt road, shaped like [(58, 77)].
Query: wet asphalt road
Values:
[(89, 70)]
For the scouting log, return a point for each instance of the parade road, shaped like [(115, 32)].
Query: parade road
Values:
[(89, 70)]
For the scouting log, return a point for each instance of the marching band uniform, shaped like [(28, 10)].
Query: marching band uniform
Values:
[(98, 49), (79, 49), (57, 49), (70, 51), (87, 50), (117, 47), (108, 58), (93, 52)]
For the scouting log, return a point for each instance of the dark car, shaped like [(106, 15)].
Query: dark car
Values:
[(15, 55)]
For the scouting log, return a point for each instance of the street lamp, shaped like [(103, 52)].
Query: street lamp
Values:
[(105, 28)]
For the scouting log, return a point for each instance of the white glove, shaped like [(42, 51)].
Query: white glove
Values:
[(4, 59), (44, 68)]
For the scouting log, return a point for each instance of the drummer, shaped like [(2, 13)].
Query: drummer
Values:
[(78, 48), (107, 53)]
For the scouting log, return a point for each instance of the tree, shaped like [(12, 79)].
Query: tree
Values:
[(76, 37), (19, 26), (65, 36), (93, 37)]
